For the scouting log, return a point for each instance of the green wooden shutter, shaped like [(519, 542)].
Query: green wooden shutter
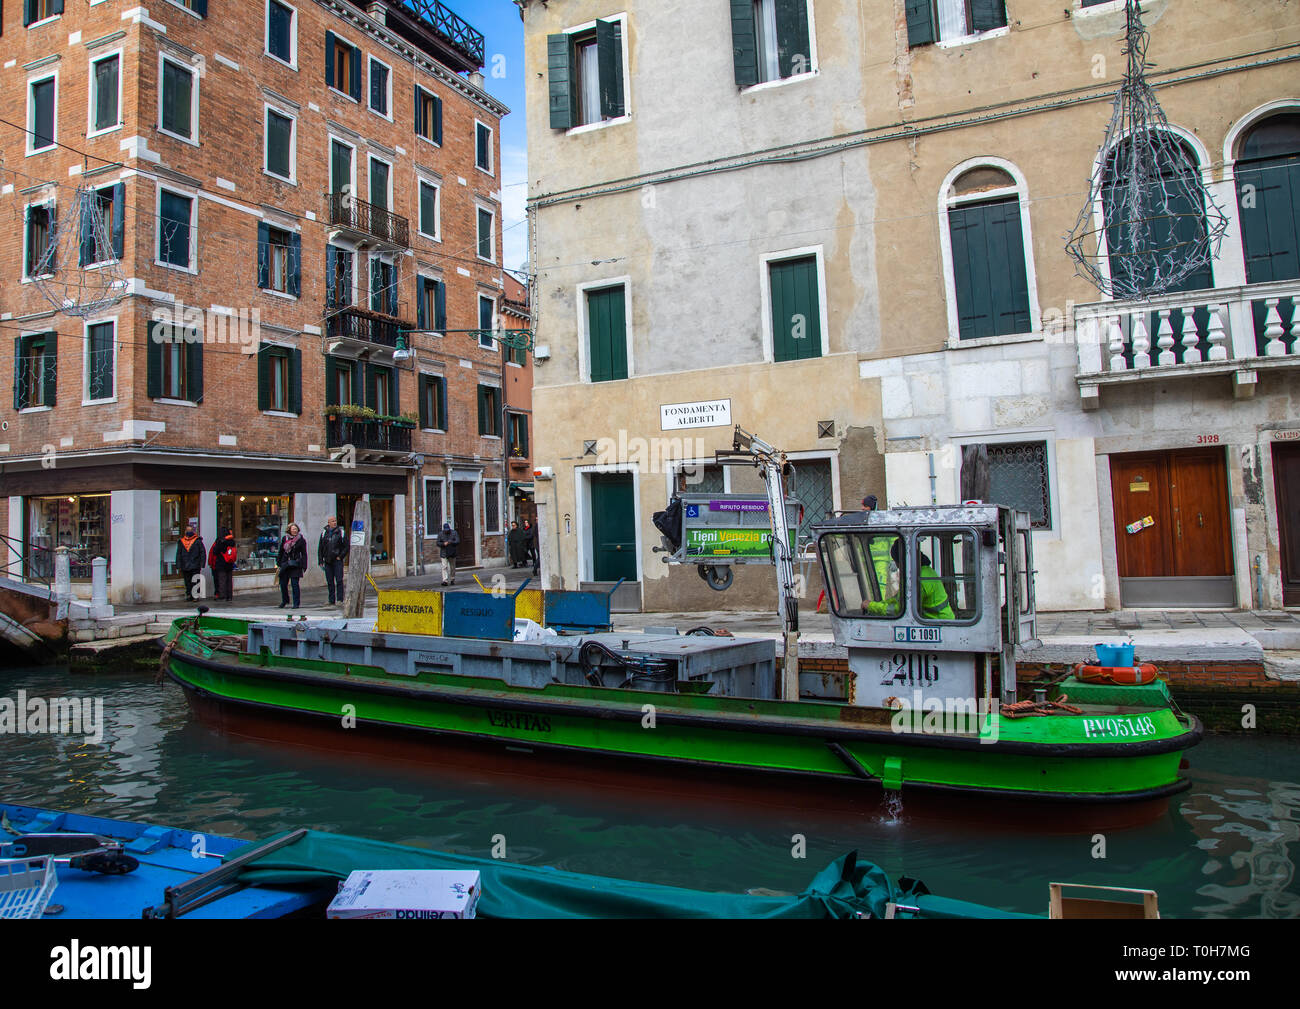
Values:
[(987, 14), (989, 269), (295, 264), (607, 331), (560, 80), (442, 404), (200, 7), (356, 74), (796, 311), (523, 432), (263, 255), (920, 22), (744, 43), (341, 166), (264, 377), (421, 320), (422, 393), (369, 391), (420, 127), (440, 306), (1007, 275), (794, 53), (395, 392), (331, 381), (194, 369), (18, 372), (295, 381), (329, 58), (482, 410), (1268, 195), (119, 220), (437, 120), (51, 369), (86, 244), (609, 57), (153, 361)]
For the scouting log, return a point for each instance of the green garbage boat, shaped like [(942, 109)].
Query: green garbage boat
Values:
[(925, 704)]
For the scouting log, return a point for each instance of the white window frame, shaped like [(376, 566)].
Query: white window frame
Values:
[(293, 35), (85, 360), (500, 529), (334, 87), (479, 318), (44, 20), (491, 169), (478, 238), (765, 297), (584, 323), (370, 160), (429, 275), (428, 140), (490, 384), (267, 109), (181, 4), (193, 197), (164, 58), (970, 36), (627, 83), (432, 534), (437, 209), (808, 74), (948, 200), (275, 290), (43, 408), (41, 77), (93, 90), (442, 378), (27, 278), (1110, 7), (372, 59), (330, 141)]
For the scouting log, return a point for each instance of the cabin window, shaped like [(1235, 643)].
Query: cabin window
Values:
[(947, 588), (862, 573)]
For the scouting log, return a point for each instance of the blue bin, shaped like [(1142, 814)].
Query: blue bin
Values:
[(1114, 655)]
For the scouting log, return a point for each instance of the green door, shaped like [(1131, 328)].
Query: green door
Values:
[(613, 527)]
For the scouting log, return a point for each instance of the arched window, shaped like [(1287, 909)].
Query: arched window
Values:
[(989, 279), (1268, 197), (1165, 206)]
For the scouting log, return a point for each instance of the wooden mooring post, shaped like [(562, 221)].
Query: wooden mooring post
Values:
[(354, 586)]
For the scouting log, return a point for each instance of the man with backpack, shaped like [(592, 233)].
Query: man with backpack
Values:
[(330, 552), (448, 541), (221, 559)]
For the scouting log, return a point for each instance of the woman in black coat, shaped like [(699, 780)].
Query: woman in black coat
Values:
[(291, 563)]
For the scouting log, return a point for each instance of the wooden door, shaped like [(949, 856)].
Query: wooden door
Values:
[(462, 518), (613, 527), (1198, 496), (1286, 477), (1140, 489)]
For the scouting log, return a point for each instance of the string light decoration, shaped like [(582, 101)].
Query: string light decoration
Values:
[(79, 269), (1159, 225)]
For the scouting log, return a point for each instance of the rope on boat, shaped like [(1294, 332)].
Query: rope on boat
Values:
[(163, 659), (1041, 709)]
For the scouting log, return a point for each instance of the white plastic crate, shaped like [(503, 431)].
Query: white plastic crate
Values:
[(26, 885)]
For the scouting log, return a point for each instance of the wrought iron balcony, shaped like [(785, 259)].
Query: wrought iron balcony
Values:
[(366, 327), (367, 222), (437, 29), (368, 437), (1230, 330)]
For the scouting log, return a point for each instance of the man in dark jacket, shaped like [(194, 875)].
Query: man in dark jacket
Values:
[(534, 548), (221, 559), (190, 557), (515, 545), (448, 541), (330, 552)]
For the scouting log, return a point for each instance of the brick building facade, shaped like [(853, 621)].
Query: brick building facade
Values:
[(301, 203)]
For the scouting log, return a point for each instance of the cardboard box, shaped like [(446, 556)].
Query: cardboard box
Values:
[(406, 893)]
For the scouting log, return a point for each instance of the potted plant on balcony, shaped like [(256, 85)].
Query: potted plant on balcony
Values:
[(349, 411), (406, 420)]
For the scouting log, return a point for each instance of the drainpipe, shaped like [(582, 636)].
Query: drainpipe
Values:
[(934, 499)]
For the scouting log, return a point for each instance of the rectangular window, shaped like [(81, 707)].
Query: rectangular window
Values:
[(428, 115), (277, 259), (39, 10), (945, 20), (486, 239), (586, 76), (101, 346), (343, 66), (946, 572), (432, 508), (35, 371), (102, 231), (489, 411), (433, 402), (491, 506), (379, 183), (279, 379), (279, 144), (770, 40), (40, 259), (79, 521), (486, 323), (607, 334), (174, 385), (383, 287), (483, 146), (431, 305), (988, 258), (104, 77), (1018, 478), (280, 32), (40, 114), (378, 87), (340, 166), (429, 210), (381, 390), (174, 359), (340, 382), (178, 100), (174, 229), (796, 309), (518, 434), (338, 277)]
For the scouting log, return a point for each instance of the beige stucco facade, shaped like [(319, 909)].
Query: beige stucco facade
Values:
[(685, 198)]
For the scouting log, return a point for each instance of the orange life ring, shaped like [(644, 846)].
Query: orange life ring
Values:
[(1126, 676)]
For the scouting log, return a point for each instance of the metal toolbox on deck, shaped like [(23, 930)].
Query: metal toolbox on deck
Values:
[(406, 893)]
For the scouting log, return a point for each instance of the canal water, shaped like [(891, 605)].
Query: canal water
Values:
[(1225, 848)]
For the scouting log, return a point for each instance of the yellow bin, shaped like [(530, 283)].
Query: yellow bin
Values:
[(411, 612)]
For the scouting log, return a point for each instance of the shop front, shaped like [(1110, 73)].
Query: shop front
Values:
[(258, 522), (79, 522)]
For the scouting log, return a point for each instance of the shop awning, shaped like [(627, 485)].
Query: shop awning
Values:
[(521, 489)]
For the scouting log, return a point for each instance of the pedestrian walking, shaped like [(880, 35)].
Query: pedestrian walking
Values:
[(190, 556), (448, 541), (291, 562), (515, 545), (221, 559), (534, 548), (330, 552)]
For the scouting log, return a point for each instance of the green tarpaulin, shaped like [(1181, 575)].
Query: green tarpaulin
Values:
[(844, 889)]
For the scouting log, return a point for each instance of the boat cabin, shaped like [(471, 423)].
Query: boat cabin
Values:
[(931, 598)]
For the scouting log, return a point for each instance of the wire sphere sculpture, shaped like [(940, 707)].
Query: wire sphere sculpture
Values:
[(1159, 225), (79, 272)]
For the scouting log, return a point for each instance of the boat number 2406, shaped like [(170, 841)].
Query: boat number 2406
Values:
[(910, 669)]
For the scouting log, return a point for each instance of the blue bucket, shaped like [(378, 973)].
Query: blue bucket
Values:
[(1114, 655)]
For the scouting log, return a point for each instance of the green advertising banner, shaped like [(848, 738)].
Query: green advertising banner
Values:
[(731, 542)]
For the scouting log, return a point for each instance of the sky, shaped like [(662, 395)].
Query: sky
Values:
[(503, 69)]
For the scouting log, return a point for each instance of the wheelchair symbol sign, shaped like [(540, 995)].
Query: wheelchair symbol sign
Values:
[(692, 511)]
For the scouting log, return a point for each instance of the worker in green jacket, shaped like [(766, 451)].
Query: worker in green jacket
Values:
[(934, 597), (879, 548)]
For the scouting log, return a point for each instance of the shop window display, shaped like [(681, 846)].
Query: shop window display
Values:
[(258, 521), (78, 522)]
